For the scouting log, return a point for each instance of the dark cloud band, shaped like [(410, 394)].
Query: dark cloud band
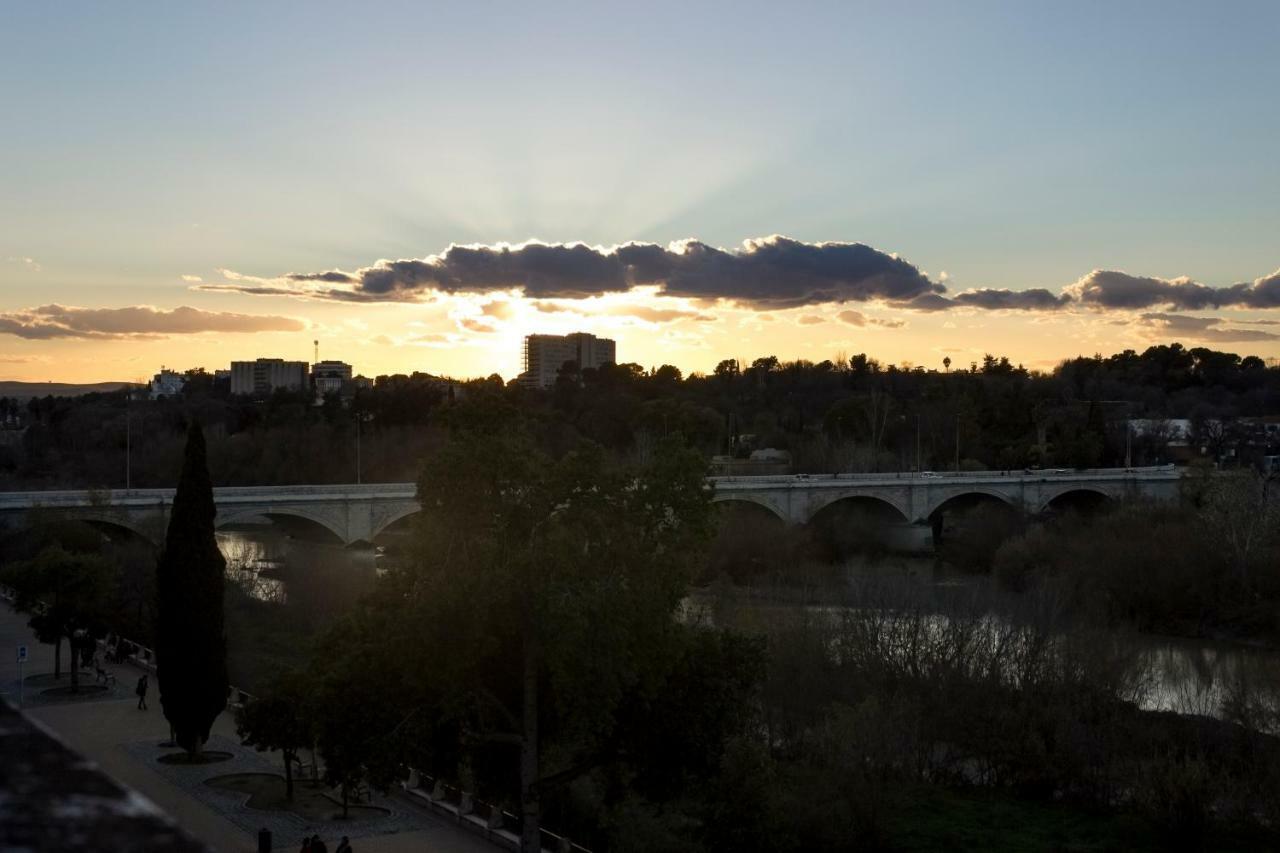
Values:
[(61, 321), (773, 272), (767, 273)]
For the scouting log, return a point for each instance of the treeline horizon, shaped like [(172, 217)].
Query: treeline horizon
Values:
[(937, 365), (851, 415)]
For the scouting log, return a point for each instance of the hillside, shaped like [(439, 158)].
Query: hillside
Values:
[(25, 390)]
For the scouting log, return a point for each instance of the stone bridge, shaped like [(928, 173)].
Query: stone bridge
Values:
[(359, 513), (352, 513), (917, 498)]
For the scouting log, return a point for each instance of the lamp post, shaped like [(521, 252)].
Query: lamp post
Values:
[(361, 417), (917, 442), (128, 439), (957, 442)]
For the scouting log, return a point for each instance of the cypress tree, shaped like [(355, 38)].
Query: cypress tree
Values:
[(190, 640)]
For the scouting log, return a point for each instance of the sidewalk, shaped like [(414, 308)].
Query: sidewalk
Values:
[(100, 728)]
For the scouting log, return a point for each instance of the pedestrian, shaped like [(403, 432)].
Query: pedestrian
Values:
[(318, 846), (344, 846), (141, 690), (306, 845)]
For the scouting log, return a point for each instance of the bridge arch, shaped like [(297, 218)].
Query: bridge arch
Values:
[(858, 524), (271, 513), (1078, 497), (117, 527), (970, 525), (753, 500), (106, 521), (970, 495), (866, 499), (394, 519)]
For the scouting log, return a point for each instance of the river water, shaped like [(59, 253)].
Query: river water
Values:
[(1190, 676), (266, 562), (1184, 675)]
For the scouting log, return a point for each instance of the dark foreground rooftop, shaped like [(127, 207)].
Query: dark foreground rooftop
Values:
[(53, 799)]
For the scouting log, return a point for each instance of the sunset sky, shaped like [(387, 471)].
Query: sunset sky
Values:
[(187, 184)]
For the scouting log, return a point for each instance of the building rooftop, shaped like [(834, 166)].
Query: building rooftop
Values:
[(53, 799)]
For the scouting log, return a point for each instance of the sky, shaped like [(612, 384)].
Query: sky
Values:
[(417, 187)]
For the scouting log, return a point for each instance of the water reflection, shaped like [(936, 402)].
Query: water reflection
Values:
[(1213, 678), (1207, 677), (264, 562)]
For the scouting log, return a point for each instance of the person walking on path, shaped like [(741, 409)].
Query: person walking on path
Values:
[(318, 846), (344, 846), (141, 690), (306, 845)]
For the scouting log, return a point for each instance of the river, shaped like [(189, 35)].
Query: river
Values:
[(1180, 674), (266, 562), (1190, 676)]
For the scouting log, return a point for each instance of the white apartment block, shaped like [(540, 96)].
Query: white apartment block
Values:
[(266, 375), (544, 355)]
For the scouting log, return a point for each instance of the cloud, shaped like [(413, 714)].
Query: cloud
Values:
[(1201, 328), (1111, 289), (61, 321), (857, 318), (811, 320), (763, 274), (474, 325), (770, 272), (438, 340), (1033, 299), (659, 315), (500, 309), (195, 279), (29, 263)]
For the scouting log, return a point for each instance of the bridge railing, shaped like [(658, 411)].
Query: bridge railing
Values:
[(931, 476)]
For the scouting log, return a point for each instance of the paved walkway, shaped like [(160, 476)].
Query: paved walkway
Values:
[(108, 728)]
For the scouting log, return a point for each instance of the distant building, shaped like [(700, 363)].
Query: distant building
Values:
[(267, 375), (167, 383), (329, 377), (545, 355)]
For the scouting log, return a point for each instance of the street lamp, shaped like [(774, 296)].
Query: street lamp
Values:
[(128, 440), (361, 417)]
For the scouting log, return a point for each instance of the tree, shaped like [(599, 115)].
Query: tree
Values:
[(357, 728), (68, 596), (279, 720), (190, 639), (542, 593)]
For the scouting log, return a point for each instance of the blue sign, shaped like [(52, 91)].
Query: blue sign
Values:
[(22, 654)]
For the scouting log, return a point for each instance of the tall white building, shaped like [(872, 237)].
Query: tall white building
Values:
[(167, 383), (544, 355), (266, 375)]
